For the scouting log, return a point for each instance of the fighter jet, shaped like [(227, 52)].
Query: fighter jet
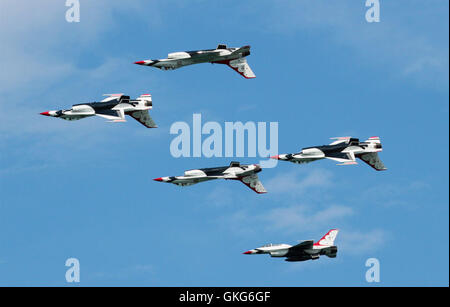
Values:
[(307, 250), (247, 174), (344, 150), (233, 57), (114, 108)]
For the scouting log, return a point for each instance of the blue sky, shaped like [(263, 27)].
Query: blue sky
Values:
[(83, 189)]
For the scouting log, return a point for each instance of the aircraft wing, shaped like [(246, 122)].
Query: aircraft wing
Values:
[(144, 118), (302, 246), (190, 181), (373, 160), (114, 116), (252, 181), (342, 157), (304, 160)]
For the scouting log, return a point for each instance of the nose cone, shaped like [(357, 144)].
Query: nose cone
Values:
[(47, 113), (248, 253), (145, 63), (158, 179), (277, 157)]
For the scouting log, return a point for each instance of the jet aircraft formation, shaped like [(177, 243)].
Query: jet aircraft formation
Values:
[(344, 150)]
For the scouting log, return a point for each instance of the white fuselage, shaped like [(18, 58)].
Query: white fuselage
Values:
[(179, 59), (198, 175), (90, 109), (281, 250), (348, 153)]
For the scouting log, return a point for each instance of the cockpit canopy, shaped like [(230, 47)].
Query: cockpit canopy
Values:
[(220, 46), (353, 142), (125, 99), (235, 164), (270, 245), (194, 173), (178, 55)]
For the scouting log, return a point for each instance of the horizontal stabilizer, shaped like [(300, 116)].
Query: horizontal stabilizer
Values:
[(252, 181), (144, 118), (240, 66), (374, 139), (373, 160)]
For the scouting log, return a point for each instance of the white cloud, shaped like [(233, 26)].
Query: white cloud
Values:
[(393, 194), (39, 65), (298, 181), (358, 242), (35, 38), (309, 217), (297, 219), (220, 196), (287, 220), (146, 272)]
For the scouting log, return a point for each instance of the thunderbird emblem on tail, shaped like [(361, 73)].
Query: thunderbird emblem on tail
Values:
[(247, 174), (344, 150), (114, 108), (233, 57)]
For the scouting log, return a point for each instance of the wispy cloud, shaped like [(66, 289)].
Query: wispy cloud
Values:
[(41, 70), (299, 181), (355, 242), (291, 217), (37, 57), (393, 194), (406, 50), (297, 219), (11, 169), (146, 272), (288, 220)]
